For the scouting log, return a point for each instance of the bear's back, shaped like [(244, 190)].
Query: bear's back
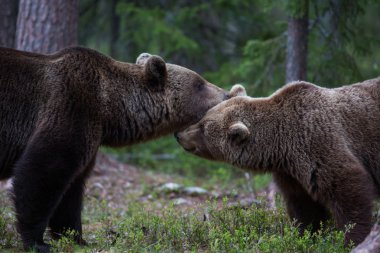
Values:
[(348, 116), (371, 86), (32, 84), (362, 118), (352, 106), (21, 78)]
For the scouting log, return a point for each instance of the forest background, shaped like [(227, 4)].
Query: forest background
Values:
[(260, 44)]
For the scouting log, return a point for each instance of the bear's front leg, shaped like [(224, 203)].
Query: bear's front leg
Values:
[(67, 215), (41, 176), (300, 206)]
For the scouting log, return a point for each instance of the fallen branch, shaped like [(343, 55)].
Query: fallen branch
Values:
[(371, 244)]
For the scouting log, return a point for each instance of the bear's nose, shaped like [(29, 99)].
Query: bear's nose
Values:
[(176, 136), (226, 96)]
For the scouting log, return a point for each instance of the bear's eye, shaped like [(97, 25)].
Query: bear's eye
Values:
[(202, 128), (199, 85)]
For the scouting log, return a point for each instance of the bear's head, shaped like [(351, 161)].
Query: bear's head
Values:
[(225, 133), (186, 95)]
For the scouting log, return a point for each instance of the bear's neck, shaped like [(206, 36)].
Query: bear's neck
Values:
[(270, 146), (133, 113)]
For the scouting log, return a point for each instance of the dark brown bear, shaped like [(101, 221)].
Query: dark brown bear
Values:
[(322, 146), (55, 112)]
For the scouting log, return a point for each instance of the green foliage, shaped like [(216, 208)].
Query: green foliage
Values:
[(242, 41), (200, 35), (215, 228), (66, 243), (157, 32), (8, 235), (259, 70), (227, 229), (297, 8), (261, 180), (336, 43), (337, 46)]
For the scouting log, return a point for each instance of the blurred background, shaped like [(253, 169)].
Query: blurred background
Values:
[(261, 44)]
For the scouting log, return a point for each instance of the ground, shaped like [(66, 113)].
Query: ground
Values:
[(119, 184), (129, 209)]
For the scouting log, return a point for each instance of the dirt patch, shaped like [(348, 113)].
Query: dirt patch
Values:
[(119, 184)]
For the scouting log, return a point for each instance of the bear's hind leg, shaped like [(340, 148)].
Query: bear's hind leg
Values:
[(351, 200), (41, 176), (67, 215), (300, 206)]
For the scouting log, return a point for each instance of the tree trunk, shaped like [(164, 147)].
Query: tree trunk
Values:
[(47, 26), (8, 19), (296, 62)]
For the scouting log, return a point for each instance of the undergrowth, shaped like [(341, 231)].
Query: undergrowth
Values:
[(210, 227), (216, 229)]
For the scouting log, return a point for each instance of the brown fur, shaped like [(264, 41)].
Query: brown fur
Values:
[(56, 110), (322, 146)]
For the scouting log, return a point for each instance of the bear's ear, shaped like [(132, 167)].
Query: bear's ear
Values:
[(155, 72), (237, 90), (238, 132), (143, 57)]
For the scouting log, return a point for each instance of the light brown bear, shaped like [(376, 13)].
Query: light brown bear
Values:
[(322, 146), (55, 112)]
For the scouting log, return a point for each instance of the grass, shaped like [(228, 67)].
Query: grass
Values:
[(212, 224), (226, 230), (215, 229)]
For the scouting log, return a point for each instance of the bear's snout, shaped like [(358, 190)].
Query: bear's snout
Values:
[(226, 96), (187, 139), (192, 140)]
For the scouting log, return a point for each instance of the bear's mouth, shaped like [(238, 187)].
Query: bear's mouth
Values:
[(176, 136), (191, 150), (188, 148)]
